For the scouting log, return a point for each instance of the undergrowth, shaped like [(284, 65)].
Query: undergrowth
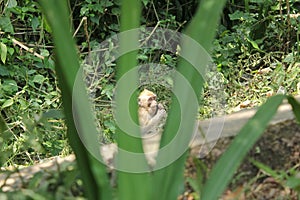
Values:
[(256, 53)]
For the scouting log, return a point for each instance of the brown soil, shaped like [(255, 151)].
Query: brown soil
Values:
[(278, 148)]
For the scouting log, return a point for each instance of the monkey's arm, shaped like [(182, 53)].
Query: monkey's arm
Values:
[(154, 121)]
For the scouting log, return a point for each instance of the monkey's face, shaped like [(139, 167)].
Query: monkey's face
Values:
[(147, 99)]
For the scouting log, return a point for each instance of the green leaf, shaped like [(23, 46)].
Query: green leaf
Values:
[(38, 79), (7, 103), (145, 2), (108, 91), (253, 43), (5, 25), (268, 170), (3, 125), (35, 22), (4, 71), (194, 183), (44, 52), (296, 107), (31, 194), (31, 71), (116, 11), (12, 3), (11, 50), (225, 168), (3, 52), (93, 172), (10, 86), (46, 25), (130, 183), (289, 58), (202, 30), (53, 113), (238, 15), (293, 182)]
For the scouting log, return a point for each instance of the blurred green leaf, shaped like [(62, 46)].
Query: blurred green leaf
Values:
[(5, 25), (4, 71), (289, 58), (294, 182), (12, 3), (268, 170), (202, 29), (296, 107), (129, 184), (31, 71), (10, 50), (33, 195), (5, 136), (53, 113), (35, 22), (93, 172), (226, 166)]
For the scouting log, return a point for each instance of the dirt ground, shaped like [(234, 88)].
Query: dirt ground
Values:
[(278, 148)]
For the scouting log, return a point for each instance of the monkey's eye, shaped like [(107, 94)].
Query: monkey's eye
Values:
[(152, 98), (149, 104)]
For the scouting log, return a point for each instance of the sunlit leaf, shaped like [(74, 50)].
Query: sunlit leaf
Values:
[(254, 44), (7, 103), (3, 52)]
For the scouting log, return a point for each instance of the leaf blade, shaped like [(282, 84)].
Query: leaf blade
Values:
[(223, 171)]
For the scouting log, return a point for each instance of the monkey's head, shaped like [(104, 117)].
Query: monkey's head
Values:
[(147, 99)]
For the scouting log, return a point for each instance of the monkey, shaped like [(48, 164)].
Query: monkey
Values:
[(150, 113), (151, 119)]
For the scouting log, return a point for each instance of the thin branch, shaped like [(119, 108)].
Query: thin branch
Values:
[(79, 26), (146, 40), (20, 44)]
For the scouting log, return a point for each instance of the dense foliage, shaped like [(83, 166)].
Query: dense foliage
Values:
[(256, 50)]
